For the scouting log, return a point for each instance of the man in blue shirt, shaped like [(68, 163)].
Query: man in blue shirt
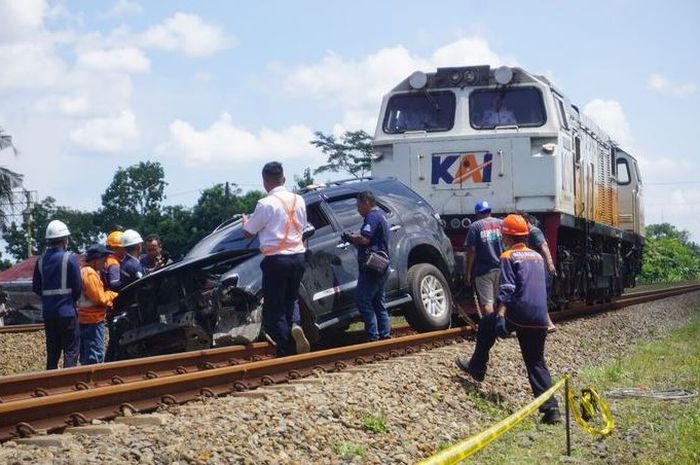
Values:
[(369, 294), (57, 281), (522, 297), (484, 248)]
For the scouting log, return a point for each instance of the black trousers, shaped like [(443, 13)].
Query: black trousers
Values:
[(280, 286), (531, 342), (62, 335)]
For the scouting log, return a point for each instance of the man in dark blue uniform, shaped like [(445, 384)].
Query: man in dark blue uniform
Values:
[(57, 281), (522, 307), (369, 294), (131, 269)]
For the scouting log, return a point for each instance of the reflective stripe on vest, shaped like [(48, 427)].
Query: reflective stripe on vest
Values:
[(292, 222), (64, 289), (83, 301)]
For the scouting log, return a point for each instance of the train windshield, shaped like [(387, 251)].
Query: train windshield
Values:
[(424, 111), (516, 106)]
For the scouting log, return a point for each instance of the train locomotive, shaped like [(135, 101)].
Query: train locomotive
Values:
[(512, 138)]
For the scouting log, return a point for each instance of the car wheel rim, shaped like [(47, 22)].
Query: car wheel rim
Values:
[(433, 296)]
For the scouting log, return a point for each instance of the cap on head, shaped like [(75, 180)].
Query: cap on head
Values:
[(131, 237), (515, 225), (114, 240), (96, 251), (482, 207), (56, 230)]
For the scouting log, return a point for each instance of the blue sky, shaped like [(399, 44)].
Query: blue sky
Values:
[(214, 89)]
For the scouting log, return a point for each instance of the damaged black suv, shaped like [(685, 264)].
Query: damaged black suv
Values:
[(213, 296)]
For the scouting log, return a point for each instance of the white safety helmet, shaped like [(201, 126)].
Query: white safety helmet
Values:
[(56, 230), (131, 237)]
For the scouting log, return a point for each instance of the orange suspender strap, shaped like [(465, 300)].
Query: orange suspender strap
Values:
[(291, 222)]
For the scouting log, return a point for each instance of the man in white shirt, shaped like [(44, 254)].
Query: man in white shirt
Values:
[(279, 220), (499, 115)]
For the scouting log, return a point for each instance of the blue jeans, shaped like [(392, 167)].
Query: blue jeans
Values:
[(92, 343), (369, 296)]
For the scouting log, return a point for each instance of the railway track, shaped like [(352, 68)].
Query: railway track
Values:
[(51, 401)]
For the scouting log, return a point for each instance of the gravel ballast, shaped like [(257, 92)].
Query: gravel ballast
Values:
[(395, 412)]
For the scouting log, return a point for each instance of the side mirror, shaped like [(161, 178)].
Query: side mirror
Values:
[(308, 232)]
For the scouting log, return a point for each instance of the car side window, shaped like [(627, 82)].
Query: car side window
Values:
[(316, 217), (345, 211)]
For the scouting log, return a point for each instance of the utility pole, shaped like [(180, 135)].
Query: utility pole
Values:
[(30, 222), (227, 201)]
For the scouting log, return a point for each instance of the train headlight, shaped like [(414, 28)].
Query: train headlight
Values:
[(418, 80), (503, 75)]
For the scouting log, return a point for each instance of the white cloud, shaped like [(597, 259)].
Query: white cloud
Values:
[(123, 8), (227, 143), (608, 114), (29, 64), (20, 19), (202, 77), (664, 85), (110, 134), (358, 85), (187, 33), (124, 60)]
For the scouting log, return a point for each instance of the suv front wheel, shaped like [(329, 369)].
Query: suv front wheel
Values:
[(432, 299)]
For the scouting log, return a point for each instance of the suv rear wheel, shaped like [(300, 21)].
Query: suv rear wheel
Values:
[(432, 300)]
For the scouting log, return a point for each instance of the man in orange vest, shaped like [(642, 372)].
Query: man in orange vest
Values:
[(279, 221), (92, 306)]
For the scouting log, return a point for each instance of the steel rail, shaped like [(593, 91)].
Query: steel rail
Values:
[(54, 412), (29, 328)]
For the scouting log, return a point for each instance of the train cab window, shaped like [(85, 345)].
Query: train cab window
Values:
[(562, 114), (515, 106), (424, 111), (623, 172)]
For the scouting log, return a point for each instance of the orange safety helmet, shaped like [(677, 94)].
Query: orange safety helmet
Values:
[(515, 225), (114, 240)]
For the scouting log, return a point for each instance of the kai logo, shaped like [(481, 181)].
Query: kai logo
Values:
[(461, 168)]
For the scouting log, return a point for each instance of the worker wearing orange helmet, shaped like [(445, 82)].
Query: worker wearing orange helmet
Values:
[(522, 307), (112, 273)]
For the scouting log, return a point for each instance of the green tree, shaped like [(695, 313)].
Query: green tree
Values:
[(669, 255), (83, 227), (135, 192), (350, 153), (304, 180), (216, 205)]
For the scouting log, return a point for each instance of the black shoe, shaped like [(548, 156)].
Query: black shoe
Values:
[(464, 365), (551, 417)]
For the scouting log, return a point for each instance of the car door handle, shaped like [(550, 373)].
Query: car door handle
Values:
[(342, 245), (395, 227)]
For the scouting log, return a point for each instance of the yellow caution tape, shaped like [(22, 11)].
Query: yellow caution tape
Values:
[(470, 446), (591, 402)]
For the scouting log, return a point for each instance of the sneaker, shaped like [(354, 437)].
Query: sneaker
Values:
[(463, 364), (302, 344), (552, 328), (551, 417)]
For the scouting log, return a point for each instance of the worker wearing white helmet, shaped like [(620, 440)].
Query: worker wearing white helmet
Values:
[(131, 268), (57, 281)]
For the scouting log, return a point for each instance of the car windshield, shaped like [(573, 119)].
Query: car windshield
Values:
[(425, 111), (516, 106), (228, 238)]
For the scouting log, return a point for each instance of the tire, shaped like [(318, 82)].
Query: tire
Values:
[(432, 299)]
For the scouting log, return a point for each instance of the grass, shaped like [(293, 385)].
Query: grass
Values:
[(347, 449), (374, 423), (647, 431)]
